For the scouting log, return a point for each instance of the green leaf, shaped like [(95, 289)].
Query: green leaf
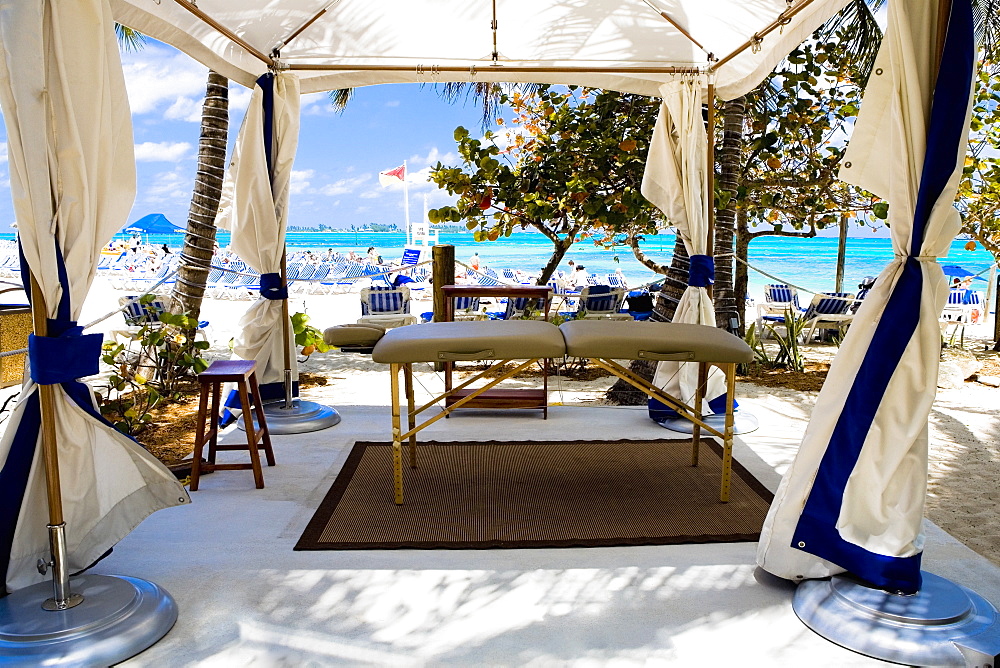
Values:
[(881, 210)]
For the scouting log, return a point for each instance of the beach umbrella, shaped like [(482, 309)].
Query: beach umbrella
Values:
[(72, 181), (254, 208), (955, 271), (675, 181), (154, 223), (853, 498)]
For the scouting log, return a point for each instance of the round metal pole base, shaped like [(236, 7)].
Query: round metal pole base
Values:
[(118, 618), (301, 417), (743, 423), (944, 624)]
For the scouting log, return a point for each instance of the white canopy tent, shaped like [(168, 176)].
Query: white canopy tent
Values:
[(625, 45)]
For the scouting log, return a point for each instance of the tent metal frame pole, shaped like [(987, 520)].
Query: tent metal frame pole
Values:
[(285, 332), (782, 20), (710, 178), (486, 68), (193, 8), (62, 597)]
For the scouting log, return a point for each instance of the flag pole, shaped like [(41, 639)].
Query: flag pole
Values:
[(406, 200)]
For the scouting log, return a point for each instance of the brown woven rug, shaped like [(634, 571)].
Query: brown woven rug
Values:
[(544, 494)]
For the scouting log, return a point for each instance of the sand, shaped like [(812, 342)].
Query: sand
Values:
[(964, 458)]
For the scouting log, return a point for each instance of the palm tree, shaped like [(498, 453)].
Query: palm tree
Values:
[(199, 239)]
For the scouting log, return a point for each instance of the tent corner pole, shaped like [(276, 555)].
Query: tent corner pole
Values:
[(710, 178), (62, 597), (286, 333)]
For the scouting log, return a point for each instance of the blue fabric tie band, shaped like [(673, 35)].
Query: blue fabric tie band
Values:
[(64, 357), (270, 287), (701, 273)]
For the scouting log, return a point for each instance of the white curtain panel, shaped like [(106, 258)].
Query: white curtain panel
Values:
[(675, 181), (72, 180), (254, 208), (853, 498)]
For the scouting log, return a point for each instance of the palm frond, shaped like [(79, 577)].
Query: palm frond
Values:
[(986, 15), (340, 97), (129, 39)]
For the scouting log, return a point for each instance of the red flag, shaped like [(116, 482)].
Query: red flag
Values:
[(390, 176)]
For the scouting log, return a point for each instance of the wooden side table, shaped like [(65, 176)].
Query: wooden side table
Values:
[(498, 397)]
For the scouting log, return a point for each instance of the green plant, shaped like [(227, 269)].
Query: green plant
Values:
[(307, 336), (788, 354), (164, 353)]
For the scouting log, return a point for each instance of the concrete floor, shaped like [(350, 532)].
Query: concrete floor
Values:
[(246, 598)]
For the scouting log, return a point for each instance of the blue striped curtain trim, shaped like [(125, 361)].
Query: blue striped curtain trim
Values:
[(816, 531)]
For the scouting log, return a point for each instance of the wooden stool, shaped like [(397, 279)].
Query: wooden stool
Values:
[(242, 373)]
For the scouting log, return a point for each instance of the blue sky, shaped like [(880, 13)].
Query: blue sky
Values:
[(335, 178)]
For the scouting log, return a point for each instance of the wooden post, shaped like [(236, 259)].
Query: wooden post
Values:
[(443, 274)]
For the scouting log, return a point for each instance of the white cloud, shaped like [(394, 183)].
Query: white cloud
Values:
[(3, 152), (300, 181), (317, 104), (158, 77), (184, 109), (239, 99), (168, 187), (344, 186), (164, 151), (392, 103)]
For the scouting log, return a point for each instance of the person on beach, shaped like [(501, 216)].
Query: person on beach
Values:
[(474, 261), (578, 279), (373, 256)]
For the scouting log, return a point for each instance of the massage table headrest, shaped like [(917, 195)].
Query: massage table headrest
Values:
[(470, 340), (353, 336), (654, 341)]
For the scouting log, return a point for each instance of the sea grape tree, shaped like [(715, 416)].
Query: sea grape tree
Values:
[(569, 165)]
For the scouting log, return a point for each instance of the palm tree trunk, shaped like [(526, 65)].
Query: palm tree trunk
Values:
[(742, 281), (199, 240), (623, 393), (729, 305)]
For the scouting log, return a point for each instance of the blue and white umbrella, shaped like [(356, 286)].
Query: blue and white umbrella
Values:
[(853, 498)]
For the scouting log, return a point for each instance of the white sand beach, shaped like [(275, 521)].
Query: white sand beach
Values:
[(964, 466)]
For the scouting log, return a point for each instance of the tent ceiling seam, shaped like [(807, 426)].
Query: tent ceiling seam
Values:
[(784, 18)]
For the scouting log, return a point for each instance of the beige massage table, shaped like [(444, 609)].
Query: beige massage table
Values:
[(500, 342)]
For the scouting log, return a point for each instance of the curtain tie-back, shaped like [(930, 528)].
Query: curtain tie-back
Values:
[(65, 355), (270, 287), (701, 273)]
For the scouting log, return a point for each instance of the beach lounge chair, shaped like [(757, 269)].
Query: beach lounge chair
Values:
[(827, 311), (467, 308), (778, 298), (386, 307), (602, 302)]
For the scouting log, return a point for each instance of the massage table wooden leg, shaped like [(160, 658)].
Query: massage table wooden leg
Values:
[(699, 395), (727, 438), (411, 418), (397, 446)]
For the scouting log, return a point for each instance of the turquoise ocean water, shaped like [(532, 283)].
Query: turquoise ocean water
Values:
[(809, 263)]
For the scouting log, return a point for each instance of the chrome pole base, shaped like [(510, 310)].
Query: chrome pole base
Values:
[(743, 423), (118, 618), (299, 418), (944, 624)]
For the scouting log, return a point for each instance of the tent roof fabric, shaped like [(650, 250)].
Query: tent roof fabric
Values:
[(623, 45)]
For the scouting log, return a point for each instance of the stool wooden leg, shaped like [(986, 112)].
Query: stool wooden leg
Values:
[(199, 439), (264, 432), (258, 474), (214, 422), (411, 419)]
